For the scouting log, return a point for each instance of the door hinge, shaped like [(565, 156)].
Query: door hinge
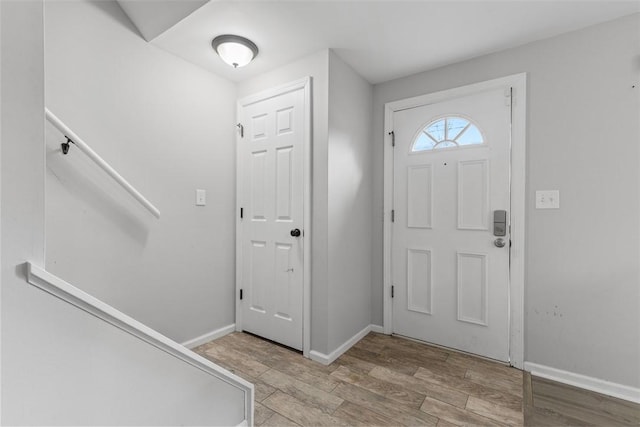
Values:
[(241, 129), (392, 291), (241, 213), (393, 215), (241, 294), (393, 138)]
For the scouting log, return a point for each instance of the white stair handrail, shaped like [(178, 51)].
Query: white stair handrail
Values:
[(78, 142)]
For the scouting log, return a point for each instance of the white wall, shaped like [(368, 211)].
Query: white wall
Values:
[(168, 127), (22, 192), (60, 365), (582, 264), (349, 203), (316, 66)]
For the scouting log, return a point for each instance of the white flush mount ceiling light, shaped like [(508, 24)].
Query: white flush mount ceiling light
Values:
[(235, 50)]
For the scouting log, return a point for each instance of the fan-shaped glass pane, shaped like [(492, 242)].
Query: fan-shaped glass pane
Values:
[(448, 132), (455, 125), (470, 136), (423, 142), (436, 130)]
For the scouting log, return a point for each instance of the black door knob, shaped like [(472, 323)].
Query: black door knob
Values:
[(295, 232)]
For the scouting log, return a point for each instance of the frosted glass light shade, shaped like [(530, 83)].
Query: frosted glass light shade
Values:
[(235, 50)]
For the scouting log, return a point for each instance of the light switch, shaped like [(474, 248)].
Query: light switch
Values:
[(201, 197), (548, 199)]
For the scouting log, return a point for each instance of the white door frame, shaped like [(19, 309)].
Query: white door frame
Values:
[(517, 182), (305, 85)]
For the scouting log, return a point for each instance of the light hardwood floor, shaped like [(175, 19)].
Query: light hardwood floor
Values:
[(390, 381), (549, 403)]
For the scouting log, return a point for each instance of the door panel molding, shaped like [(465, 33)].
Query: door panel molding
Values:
[(481, 223), (420, 199), (283, 124), (419, 297), (517, 83), (463, 288)]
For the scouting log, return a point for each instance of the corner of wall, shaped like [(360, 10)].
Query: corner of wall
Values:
[(350, 195)]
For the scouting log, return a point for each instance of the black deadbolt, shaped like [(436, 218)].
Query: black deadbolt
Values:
[(295, 232)]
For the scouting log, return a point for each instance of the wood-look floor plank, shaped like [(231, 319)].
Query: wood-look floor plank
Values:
[(261, 414), (261, 390), (381, 405), (578, 412), (239, 342), (418, 348), (538, 417), (238, 360), (527, 397), (295, 410), (383, 388), (356, 415), (286, 354), (470, 362), (263, 349), (201, 348), (455, 415), (508, 384), (258, 348), (277, 420), (445, 423), (354, 364), (288, 362), (495, 412), (308, 394), (322, 381), (473, 389), (436, 391), (423, 360), (594, 406), (379, 338), (387, 362), (293, 364), (371, 343)]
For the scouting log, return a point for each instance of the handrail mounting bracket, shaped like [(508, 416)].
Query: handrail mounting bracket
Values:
[(65, 145)]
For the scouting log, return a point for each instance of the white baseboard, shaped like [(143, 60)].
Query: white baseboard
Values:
[(327, 359), (589, 383), (210, 336), (377, 329)]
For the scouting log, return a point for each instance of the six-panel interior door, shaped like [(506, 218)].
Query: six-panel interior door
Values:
[(271, 183), (451, 171)]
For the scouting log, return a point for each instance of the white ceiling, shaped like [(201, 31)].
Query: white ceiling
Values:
[(381, 40), (154, 17)]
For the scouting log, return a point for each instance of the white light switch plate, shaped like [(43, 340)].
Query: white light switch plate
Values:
[(201, 197), (548, 199)]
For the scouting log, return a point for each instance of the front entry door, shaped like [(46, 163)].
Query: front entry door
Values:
[(451, 176), (271, 193)]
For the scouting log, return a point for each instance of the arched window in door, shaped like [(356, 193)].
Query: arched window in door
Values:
[(447, 132)]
